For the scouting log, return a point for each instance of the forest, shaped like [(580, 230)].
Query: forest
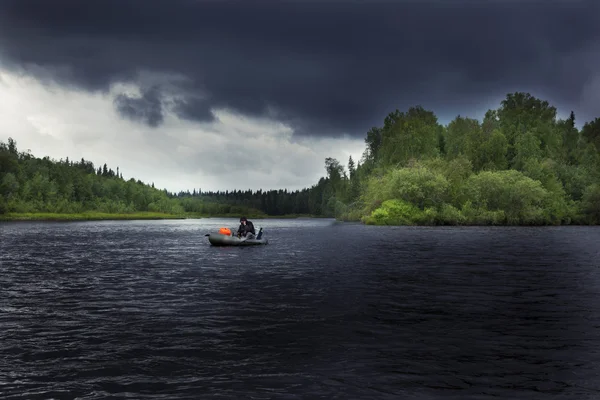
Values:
[(520, 165)]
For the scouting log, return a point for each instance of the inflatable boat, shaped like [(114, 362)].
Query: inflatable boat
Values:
[(225, 238)]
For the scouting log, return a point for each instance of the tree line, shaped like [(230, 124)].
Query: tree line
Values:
[(520, 165), (30, 184)]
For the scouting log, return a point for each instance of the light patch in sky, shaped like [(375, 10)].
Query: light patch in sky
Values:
[(232, 152)]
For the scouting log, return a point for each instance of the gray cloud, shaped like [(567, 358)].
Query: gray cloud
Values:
[(193, 108), (148, 108), (325, 67)]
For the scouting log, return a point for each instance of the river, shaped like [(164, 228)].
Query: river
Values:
[(326, 310)]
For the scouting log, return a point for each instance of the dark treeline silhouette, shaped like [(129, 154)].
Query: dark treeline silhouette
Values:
[(520, 165)]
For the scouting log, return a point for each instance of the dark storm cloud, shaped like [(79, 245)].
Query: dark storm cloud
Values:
[(326, 67), (192, 108), (147, 108)]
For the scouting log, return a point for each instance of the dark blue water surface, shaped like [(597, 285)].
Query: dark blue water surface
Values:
[(149, 310)]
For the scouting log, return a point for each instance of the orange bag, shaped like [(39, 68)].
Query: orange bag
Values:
[(225, 231)]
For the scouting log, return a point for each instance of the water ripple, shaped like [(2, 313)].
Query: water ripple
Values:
[(148, 310)]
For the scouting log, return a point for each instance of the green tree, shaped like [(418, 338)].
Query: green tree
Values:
[(410, 135), (462, 138), (591, 133), (590, 204), (521, 113)]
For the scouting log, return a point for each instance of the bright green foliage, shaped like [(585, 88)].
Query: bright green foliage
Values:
[(395, 212), (517, 196), (520, 165), (418, 185)]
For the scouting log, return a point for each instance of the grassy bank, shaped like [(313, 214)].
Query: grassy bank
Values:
[(98, 216), (250, 216), (87, 216)]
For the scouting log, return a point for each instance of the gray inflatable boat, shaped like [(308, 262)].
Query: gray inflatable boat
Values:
[(219, 239)]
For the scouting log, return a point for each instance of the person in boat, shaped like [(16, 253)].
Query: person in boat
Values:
[(246, 228)]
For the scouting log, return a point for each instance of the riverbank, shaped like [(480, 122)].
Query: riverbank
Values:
[(87, 216), (99, 216), (253, 216)]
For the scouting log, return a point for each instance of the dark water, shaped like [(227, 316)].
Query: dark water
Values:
[(143, 310)]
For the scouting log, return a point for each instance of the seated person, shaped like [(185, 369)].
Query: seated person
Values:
[(245, 228)]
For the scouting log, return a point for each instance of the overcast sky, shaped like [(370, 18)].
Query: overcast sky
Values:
[(219, 94)]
